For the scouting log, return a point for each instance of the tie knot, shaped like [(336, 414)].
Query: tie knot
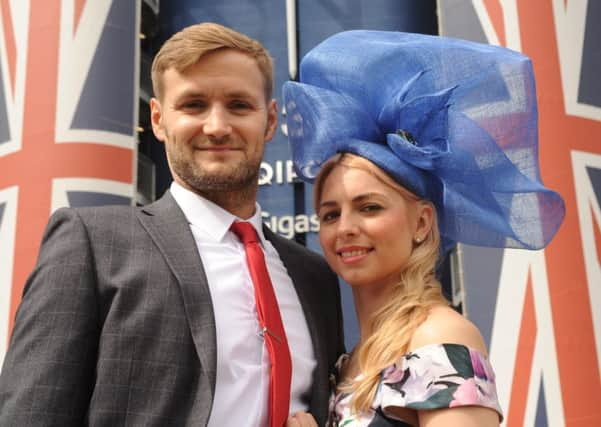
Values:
[(245, 232)]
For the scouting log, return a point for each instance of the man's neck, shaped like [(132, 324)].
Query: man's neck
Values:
[(240, 203)]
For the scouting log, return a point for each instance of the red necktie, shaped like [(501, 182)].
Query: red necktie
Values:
[(271, 323)]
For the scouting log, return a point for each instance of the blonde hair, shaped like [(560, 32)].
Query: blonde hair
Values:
[(186, 47), (415, 294)]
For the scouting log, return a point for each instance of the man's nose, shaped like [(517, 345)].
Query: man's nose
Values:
[(217, 123)]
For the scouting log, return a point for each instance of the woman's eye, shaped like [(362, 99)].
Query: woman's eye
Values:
[(328, 216), (371, 208)]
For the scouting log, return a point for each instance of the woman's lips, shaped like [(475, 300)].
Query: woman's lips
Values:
[(353, 254)]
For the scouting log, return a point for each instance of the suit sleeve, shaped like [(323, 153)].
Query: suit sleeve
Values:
[(48, 373)]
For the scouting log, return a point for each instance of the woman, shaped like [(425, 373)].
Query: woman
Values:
[(416, 142)]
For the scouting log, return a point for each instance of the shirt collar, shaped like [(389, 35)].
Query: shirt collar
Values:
[(212, 219)]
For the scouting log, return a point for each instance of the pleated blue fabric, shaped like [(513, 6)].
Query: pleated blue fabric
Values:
[(453, 121)]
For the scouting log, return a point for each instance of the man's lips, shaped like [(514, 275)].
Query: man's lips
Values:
[(217, 148)]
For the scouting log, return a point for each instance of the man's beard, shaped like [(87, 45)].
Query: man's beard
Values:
[(241, 176)]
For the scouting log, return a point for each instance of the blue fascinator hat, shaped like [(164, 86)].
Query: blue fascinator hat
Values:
[(453, 121)]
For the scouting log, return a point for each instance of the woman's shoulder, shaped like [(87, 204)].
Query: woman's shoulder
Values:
[(445, 325), (439, 376), (446, 366)]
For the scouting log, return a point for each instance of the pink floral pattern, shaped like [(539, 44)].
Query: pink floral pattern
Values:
[(431, 377)]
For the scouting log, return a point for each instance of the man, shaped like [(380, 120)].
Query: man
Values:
[(147, 316)]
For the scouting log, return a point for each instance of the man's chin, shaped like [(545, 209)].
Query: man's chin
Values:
[(224, 181), (225, 175)]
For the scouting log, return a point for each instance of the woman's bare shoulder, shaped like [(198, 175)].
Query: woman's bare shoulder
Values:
[(446, 326)]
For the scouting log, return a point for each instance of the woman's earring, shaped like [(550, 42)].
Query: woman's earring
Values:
[(417, 239)]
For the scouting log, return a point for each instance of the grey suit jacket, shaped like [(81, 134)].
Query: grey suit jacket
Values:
[(116, 325)]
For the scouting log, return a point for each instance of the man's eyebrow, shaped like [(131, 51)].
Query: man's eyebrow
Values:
[(190, 93), (194, 93), (240, 94)]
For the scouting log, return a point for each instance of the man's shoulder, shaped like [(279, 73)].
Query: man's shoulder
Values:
[(110, 212), (105, 210), (95, 213)]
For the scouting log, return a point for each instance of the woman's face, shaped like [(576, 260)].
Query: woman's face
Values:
[(367, 228)]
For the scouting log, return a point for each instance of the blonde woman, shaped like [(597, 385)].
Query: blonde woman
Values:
[(415, 143)]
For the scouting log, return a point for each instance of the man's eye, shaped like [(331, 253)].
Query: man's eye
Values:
[(239, 105), (193, 105)]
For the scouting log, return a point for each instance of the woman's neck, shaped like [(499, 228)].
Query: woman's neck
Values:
[(369, 300)]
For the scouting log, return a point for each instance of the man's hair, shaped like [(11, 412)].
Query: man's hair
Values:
[(186, 47)]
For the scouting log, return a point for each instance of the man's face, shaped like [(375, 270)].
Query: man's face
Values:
[(214, 120)]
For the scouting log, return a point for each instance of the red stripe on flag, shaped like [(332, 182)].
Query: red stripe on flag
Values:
[(33, 205), (523, 361)]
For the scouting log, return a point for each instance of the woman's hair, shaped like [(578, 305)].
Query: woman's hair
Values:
[(415, 293), (186, 47)]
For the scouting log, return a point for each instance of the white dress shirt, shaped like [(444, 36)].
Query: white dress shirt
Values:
[(242, 388)]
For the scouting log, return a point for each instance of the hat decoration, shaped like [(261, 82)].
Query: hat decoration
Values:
[(453, 121)]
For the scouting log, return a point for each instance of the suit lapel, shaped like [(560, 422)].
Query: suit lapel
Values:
[(168, 227)]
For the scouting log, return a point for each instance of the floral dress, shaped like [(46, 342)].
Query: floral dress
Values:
[(430, 377)]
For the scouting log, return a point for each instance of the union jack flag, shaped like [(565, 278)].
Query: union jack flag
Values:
[(68, 110), (541, 315)]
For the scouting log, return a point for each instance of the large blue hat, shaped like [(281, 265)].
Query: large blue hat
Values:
[(451, 120)]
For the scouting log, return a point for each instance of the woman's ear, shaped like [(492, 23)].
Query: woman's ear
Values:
[(424, 218)]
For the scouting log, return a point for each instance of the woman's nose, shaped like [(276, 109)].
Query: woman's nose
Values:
[(347, 226)]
